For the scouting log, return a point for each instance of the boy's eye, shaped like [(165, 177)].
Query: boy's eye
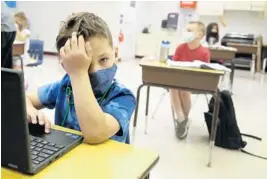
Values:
[(103, 60)]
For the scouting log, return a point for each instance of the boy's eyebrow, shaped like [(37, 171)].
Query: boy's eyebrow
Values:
[(104, 54)]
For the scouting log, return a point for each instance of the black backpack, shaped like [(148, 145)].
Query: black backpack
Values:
[(228, 134)]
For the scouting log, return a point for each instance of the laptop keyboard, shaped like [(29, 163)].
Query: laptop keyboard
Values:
[(41, 150)]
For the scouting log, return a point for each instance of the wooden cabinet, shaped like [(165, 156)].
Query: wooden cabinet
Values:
[(210, 8), (237, 5), (245, 5), (258, 5)]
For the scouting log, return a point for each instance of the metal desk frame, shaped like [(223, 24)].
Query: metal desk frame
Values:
[(215, 94)]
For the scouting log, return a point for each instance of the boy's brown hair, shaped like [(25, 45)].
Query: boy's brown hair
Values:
[(201, 26), (86, 24)]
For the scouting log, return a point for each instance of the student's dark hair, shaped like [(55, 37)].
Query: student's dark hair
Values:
[(209, 29), (86, 24)]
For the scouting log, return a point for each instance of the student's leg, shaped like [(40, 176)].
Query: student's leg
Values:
[(185, 97), (176, 104), (181, 104)]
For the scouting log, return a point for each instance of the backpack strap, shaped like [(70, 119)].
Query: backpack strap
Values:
[(246, 152), (251, 136)]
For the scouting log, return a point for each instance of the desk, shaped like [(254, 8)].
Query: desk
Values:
[(18, 50), (110, 160), (158, 74), (248, 49), (226, 55)]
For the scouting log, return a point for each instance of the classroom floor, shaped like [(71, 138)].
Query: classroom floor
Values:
[(187, 159)]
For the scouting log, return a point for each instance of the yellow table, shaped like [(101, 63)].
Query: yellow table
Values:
[(109, 160), (159, 74)]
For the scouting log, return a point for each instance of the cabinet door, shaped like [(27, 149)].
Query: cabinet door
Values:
[(258, 5), (237, 5), (210, 8)]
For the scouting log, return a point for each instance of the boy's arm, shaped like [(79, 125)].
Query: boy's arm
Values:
[(206, 57), (32, 100), (96, 126), (177, 56)]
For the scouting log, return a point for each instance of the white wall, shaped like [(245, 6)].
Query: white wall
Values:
[(238, 21), (241, 22), (45, 17)]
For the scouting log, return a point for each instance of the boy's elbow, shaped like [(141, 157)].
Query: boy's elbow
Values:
[(93, 140)]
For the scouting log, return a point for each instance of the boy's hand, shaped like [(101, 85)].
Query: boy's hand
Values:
[(34, 116), (76, 55)]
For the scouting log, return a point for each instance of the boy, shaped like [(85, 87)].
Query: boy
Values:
[(87, 98), (189, 51)]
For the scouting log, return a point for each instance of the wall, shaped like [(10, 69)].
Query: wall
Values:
[(45, 17), (241, 22), (238, 21)]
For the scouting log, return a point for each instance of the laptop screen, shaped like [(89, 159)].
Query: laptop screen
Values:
[(14, 125)]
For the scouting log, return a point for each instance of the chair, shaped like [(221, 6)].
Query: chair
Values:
[(36, 52), (161, 98)]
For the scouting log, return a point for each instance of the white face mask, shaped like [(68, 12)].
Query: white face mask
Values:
[(188, 36)]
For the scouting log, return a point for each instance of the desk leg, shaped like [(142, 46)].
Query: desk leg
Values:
[(21, 63), (147, 107), (137, 105), (232, 76), (214, 125), (252, 66), (147, 177)]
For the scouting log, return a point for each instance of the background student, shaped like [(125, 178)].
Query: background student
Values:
[(189, 51), (23, 34)]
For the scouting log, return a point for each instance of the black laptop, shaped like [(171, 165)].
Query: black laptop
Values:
[(24, 149)]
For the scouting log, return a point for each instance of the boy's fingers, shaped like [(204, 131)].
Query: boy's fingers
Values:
[(47, 125), (33, 117), (88, 49), (81, 43), (41, 117), (67, 48), (74, 45)]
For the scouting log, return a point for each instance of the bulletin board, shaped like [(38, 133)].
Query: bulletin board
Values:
[(11, 4)]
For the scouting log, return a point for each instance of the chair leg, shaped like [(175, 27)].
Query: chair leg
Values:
[(264, 65), (156, 109)]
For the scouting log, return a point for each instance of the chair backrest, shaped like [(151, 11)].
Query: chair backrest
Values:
[(36, 50)]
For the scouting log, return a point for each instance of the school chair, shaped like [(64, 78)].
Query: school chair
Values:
[(36, 54)]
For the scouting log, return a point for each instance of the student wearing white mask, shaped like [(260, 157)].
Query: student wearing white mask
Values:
[(189, 51)]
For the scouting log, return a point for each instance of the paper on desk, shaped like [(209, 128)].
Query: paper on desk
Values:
[(221, 47), (197, 64)]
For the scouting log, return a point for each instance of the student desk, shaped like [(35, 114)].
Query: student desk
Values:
[(249, 49), (109, 160), (18, 50), (158, 74), (226, 55)]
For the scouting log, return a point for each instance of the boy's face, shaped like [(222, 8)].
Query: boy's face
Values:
[(195, 31), (102, 54)]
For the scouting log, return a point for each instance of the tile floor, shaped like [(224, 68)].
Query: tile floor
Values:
[(187, 159)]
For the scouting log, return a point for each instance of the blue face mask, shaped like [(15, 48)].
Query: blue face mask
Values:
[(101, 80)]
